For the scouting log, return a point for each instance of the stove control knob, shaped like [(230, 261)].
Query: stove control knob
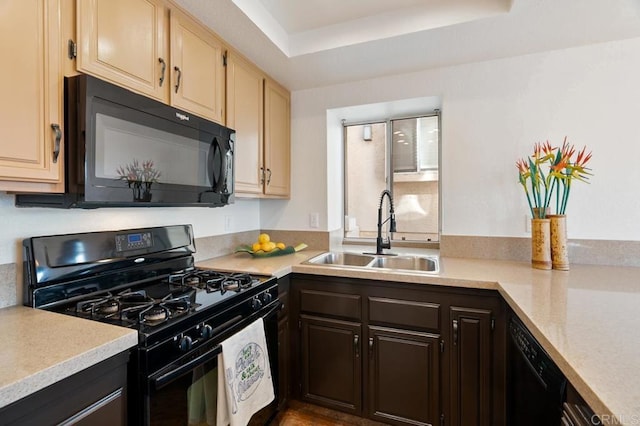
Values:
[(185, 343), (206, 331), (256, 303), (266, 298)]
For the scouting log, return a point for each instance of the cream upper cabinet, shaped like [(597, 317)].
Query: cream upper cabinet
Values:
[(31, 87), (258, 110), (277, 146), (197, 69), (125, 42), (245, 115)]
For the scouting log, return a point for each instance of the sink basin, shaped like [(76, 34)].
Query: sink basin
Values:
[(345, 259), (428, 264), (409, 263)]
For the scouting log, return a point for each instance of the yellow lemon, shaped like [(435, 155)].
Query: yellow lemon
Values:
[(281, 246), (256, 247), (264, 238), (268, 246)]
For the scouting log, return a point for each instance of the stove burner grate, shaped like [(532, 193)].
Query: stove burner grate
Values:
[(212, 281), (137, 307)]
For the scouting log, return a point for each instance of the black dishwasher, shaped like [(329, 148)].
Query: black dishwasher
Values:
[(536, 386)]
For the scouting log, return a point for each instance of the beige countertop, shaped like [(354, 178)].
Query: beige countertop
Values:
[(587, 319), (40, 348)]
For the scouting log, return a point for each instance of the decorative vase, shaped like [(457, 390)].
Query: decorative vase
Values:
[(541, 243), (559, 251)]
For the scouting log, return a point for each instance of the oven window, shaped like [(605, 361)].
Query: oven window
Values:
[(188, 400), (120, 142)]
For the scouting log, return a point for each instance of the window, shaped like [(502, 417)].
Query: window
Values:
[(400, 155)]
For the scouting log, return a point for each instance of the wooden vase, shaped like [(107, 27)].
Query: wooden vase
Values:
[(541, 243), (559, 250)]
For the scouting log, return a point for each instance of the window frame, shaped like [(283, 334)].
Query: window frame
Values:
[(389, 179)]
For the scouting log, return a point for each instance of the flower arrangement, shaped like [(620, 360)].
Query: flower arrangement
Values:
[(136, 172), (136, 175), (551, 169)]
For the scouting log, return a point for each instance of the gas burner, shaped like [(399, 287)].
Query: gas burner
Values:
[(154, 314), (107, 307), (237, 282), (129, 296), (103, 307)]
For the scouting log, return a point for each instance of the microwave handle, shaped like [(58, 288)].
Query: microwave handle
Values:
[(217, 181)]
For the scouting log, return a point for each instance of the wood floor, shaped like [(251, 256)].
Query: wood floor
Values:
[(301, 414)]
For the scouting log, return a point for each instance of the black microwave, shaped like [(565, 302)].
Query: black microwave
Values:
[(126, 150)]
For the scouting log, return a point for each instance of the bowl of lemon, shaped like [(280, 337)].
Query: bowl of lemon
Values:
[(264, 247)]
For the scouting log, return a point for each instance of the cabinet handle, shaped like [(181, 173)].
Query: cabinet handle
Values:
[(370, 344), (176, 69), (261, 175), (163, 68), (455, 331), (356, 344), (269, 176), (56, 144)]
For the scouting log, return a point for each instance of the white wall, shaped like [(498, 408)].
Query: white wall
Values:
[(492, 114), (19, 223)]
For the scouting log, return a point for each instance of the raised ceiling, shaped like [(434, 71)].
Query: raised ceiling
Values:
[(350, 47), (309, 26)]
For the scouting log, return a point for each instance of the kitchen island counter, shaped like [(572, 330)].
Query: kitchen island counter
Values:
[(41, 348), (586, 318)]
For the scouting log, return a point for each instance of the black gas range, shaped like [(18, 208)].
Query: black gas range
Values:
[(145, 279)]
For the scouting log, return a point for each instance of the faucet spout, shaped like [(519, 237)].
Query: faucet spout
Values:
[(380, 242)]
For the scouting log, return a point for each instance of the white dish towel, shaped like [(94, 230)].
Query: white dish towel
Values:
[(244, 376)]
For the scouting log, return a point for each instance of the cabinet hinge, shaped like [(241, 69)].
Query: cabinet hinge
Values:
[(493, 324), (72, 49), (224, 59), (441, 345), (441, 419)]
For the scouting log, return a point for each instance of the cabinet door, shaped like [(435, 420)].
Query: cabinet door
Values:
[(245, 115), (471, 366), (277, 131), (197, 70), (404, 376), (124, 41), (331, 365), (284, 362), (31, 87)]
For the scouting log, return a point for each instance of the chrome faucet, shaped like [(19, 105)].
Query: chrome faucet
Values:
[(381, 243)]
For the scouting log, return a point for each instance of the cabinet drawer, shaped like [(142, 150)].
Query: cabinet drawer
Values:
[(335, 304), (406, 313)]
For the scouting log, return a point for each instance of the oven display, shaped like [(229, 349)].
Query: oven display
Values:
[(133, 241)]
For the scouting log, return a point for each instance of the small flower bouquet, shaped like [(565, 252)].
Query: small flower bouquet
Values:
[(137, 175), (551, 169), (136, 172)]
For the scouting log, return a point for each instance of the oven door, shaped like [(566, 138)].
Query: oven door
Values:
[(186, 394)]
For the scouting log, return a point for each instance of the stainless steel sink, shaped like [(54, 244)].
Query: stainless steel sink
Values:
[(408, 263), (344, 259), (427, 264)]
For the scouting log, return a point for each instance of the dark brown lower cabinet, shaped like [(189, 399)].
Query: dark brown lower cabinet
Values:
[(331, 370), (284, 361), (400, 354), (95, 396), (471, 366), (404, 376)]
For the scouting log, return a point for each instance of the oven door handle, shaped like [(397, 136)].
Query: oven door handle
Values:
[(162, 378)]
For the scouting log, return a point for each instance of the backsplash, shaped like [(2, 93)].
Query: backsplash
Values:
[(206, 248), (588, 252), (594, 252)]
